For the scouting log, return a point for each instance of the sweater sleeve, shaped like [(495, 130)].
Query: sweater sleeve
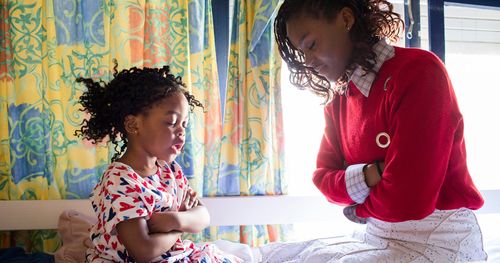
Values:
[(329, 176), (423, 115)]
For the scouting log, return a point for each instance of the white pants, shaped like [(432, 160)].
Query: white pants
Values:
[(444, 236)]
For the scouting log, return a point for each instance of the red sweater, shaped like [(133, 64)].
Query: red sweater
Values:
[(425, 163)]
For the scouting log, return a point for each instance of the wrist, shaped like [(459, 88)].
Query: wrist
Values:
[(178, 220), (380, 171), (365, 167), (371, 175)]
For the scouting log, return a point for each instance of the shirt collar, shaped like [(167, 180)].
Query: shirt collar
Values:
[(362, 81)]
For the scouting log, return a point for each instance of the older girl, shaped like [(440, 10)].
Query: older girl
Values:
[(393, 149)]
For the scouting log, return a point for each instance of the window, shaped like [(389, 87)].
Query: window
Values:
[(303, 124), (472, 53)]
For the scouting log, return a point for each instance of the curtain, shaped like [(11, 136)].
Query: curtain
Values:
[(46, 45), (252, 146)]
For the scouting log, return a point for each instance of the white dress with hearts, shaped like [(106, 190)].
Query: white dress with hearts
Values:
[(122, 194)]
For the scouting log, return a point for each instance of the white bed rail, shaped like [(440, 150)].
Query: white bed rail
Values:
[(224, 211)]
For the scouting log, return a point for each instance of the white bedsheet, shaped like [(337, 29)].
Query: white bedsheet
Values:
[(490, 226), (489, 223), (492, 248)]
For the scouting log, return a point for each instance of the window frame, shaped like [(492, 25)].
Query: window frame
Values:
[(436, 20)]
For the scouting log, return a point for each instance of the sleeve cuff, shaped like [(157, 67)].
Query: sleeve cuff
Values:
[(350, 213), (355, 183)]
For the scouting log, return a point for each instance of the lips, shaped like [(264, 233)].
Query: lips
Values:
[(177, 147)]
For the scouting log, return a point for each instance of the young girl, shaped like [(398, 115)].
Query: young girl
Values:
[(393, 149), (143, 202)]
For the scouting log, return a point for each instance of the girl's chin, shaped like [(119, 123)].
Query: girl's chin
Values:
[(169, 157)]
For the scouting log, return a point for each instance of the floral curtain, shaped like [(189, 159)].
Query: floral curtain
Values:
[(45, 45), (252, 146)]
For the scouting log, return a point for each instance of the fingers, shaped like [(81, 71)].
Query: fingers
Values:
[(194, 199), (184, 195), (194, 195), (187, 200), (191, 199)]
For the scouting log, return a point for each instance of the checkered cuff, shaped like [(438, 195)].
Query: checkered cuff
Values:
[(355, 183), (350, 213)]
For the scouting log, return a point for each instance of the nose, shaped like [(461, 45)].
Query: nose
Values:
[(181, 131)]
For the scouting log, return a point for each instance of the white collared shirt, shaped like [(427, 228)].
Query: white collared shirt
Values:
[(363, 80)]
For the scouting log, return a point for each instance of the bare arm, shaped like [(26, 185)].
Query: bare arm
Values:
[(190, 221), (142, 245), (194, 220)]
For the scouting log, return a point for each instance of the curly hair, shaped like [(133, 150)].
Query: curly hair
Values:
[(131, 92), (374, 20)]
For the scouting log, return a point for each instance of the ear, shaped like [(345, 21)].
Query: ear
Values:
[(347, 18), (131, 124)]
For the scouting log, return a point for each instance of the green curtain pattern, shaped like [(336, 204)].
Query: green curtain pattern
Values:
[(252, 146)]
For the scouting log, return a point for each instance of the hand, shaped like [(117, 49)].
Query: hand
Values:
[(189, 200), (163, 222), (372, 177)]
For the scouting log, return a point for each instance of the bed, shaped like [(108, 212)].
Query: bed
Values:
[(20, 215)]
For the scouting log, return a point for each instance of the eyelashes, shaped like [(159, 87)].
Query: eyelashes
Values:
[(173, 124), (312, 45)]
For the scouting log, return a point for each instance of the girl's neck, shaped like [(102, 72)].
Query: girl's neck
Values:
[(140, 163)]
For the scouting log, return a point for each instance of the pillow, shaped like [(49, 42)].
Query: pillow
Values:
[(74, 229)]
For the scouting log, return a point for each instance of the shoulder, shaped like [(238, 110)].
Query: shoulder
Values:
[(415, 59), (418, 69), (405, 54), (119, 174), (407, 60), (170, 171), (419, 78)]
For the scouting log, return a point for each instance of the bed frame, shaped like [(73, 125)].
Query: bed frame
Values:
[(224, 211)]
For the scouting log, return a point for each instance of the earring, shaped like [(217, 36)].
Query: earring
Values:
[(348, 28)]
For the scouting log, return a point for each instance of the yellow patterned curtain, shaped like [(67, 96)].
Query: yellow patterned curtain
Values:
[(252, 147), (46, 44)]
